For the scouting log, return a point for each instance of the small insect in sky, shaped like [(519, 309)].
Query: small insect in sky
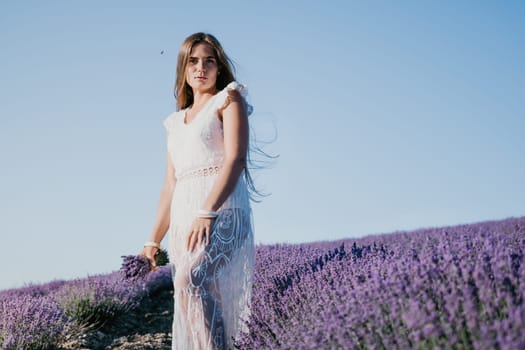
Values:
[(161, 52)]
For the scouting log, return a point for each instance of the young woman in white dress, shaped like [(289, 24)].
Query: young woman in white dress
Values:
[(204, 204)]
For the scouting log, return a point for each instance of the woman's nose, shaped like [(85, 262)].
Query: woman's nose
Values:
[(200, 65)]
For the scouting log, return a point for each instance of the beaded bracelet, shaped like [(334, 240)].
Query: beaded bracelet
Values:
[(206, 214), (152, 244)]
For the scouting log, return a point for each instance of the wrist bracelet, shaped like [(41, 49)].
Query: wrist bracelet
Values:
[(152, 244), (207, 214)]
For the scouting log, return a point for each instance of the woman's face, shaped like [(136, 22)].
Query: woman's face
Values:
[(202, 69)]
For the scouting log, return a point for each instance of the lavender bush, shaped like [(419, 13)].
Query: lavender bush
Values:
[(452, 288), (459, 287), (30, 322), (38, 316), (158, 280), (95, 300)]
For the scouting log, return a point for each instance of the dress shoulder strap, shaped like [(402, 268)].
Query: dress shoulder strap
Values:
[(222, 95)]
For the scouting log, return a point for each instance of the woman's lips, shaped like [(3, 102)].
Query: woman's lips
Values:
[(200, 78)]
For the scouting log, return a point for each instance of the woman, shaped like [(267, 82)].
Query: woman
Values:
[(205, 200)]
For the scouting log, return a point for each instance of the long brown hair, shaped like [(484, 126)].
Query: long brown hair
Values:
[(183, 92)]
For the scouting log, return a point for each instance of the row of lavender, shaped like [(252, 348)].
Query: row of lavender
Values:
[(40, 316), (459, 287), (456, 288)]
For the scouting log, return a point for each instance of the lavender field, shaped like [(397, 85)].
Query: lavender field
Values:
[(458, 287)]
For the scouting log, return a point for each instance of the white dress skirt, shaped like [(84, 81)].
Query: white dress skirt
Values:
[(212, 284)]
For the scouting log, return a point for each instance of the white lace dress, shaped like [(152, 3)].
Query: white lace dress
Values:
[(213, 283)]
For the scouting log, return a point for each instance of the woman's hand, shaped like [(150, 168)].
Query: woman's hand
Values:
[(200, 231), (149, 253)]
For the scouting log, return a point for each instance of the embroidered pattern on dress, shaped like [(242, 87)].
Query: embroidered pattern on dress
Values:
[(199, 172)]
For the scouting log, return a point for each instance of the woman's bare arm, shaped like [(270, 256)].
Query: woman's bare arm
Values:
[(235, 126), (162, 220)]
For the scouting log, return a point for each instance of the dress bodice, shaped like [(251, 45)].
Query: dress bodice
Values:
[(198, 144)]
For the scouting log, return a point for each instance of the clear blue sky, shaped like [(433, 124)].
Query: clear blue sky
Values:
[(390, 116)]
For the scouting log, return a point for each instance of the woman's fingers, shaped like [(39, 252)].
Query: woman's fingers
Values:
[(199, 233), (208, 231), (193, 239), (199, 239), (149, 253), (189, 243)]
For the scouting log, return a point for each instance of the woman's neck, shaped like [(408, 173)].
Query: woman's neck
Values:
[(200, 98)]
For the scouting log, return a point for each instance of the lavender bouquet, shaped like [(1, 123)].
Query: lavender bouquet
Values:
[(136, 267)]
